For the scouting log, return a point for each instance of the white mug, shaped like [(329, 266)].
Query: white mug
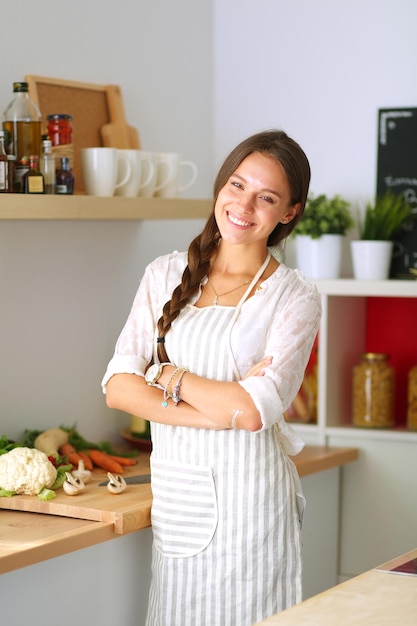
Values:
[(170, 168), (148, 181), (138, 178), (99, 167)]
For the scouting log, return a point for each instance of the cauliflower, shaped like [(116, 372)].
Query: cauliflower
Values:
[(26, 470)]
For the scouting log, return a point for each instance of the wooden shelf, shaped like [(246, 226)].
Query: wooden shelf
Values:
[(83, 207), (382, 288)]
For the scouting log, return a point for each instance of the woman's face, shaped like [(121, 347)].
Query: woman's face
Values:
[(254, 200)]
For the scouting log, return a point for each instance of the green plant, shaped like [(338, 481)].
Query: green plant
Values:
[(385, 217), (325, 216)]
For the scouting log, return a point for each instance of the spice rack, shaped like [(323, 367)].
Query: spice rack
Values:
[(349, 307), (83, 207)]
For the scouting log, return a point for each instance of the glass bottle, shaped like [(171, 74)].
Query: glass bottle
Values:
[(4, 166), (412, 399), (22, 124), (47, 166), (32, 181), (64, 178), (373, 391), (11, 170)]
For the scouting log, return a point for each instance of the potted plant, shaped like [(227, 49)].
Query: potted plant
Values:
[(319, 236), (382, 220)]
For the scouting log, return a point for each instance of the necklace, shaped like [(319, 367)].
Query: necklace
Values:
[(247, 282), (220, 295)]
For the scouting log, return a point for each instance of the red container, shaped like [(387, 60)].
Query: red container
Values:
[(60, 129)]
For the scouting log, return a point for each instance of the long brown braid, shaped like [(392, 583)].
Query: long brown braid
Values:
[(292, 158)]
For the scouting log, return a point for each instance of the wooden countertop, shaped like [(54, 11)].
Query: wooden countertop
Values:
[(376, 598), (314, 459), (29, 537)]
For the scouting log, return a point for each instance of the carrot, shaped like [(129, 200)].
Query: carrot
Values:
[(88, 463), (70, 452), (124, 461), (103, 460)]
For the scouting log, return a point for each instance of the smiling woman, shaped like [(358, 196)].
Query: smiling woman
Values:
[(231, 330), (255, 200)]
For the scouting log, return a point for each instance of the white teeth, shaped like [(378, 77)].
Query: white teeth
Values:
[(238, 222)]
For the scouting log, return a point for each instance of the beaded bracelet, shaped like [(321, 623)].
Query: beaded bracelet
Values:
[(168, 393), (176, 395), (167, 390)]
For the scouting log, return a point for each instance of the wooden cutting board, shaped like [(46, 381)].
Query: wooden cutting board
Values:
[(128, 511), (118, 134)]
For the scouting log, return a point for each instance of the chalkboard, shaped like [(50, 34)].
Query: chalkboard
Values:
[(397, 171)]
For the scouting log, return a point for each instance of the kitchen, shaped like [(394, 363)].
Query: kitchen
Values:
[(67, 285)]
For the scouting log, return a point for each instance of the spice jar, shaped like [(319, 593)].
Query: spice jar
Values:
[(59, 127), (373, 391), (412, 399)]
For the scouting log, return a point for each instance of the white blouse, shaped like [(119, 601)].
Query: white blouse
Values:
[(281, 320)]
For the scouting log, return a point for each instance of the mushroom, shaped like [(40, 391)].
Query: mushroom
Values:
[(82, 473), (116, 484), (72, 485)]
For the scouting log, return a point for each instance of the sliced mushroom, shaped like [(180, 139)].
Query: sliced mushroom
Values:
[(116, 484)]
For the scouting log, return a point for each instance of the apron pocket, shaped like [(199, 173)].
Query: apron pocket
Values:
[(184, 508)]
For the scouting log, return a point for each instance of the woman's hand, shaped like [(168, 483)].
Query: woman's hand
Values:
[(258, 368)]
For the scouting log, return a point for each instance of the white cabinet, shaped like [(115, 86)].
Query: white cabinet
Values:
[(342, 339), (378, 503)]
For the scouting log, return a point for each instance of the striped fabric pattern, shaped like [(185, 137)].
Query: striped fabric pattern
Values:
[(226, 535)]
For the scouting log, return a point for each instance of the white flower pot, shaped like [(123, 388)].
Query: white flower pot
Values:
[(319, 258), (371, 260)]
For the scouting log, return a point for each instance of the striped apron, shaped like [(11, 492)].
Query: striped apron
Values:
[(225, 521)]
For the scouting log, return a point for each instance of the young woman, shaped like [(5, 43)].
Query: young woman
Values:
[(212, 354)]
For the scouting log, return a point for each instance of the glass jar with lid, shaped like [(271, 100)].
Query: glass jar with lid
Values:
[(412, 399), (59, 127), (373, 391)]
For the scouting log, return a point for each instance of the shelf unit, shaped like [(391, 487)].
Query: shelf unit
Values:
[(342, 338), (83, 207)]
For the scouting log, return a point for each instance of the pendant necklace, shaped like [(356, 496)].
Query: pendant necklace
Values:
[(220, 295)]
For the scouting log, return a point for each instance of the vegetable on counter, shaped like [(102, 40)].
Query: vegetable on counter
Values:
[(65, 448), (81, 444), (26, 471), (6, 445), (61, 475), (116, 484), (46, 494), (70, 452), (104, 461), (122, 460), (49, 441), (88, 463), (72, 485), (81, 472)]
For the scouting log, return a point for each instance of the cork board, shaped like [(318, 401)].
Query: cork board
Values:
[(86, 102)]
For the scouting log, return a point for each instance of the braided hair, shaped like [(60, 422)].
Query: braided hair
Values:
[(274, 143)]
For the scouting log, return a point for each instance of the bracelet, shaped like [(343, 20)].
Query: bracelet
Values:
[(176, 394), (167, 390), (235, 414)]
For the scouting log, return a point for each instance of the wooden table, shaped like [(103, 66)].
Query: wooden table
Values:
[(30, 537), (375, 598)]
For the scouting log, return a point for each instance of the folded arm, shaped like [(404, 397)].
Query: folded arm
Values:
[(204, 403)]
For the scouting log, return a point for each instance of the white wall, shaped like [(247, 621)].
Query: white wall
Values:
[(320, 70), (159, 52)]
